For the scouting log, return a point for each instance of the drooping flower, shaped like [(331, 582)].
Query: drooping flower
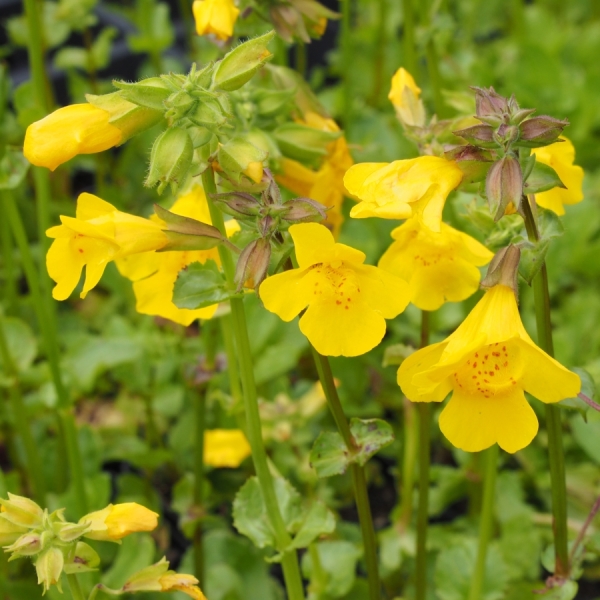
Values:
[(215, 16), (67, 132), (154, 273), (439, 267), (326, 184), (158, 578), (347, 300), (225, 448), (119, 520), (487, 364), (98, 234), (404, 95), (403, 188), (561, 157)]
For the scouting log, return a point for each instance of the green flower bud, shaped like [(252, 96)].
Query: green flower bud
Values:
[(240, 65), (49, 567), (503, 185), (238, 204), (238, 156), (21, 511), (26, 545), (303, 143), (151, 92), (84, 559), (9, 532), (304, 210), (207, 112), (170, 159)]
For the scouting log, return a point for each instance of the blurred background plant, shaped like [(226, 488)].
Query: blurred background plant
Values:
[(124, 371)]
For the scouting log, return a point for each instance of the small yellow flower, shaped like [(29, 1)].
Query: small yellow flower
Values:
[(439, 267), (561, 157), (403, 188), (487, 363), (215, 16), (404, 95), (325, 185), (118, 520), (98, 234), (347, 301), (154, 273), (175, 582), (67, 132), (225, 448)]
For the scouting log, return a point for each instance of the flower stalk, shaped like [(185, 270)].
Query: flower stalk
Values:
[(358, 474), (556, 457), (289, 561), (75, 587)]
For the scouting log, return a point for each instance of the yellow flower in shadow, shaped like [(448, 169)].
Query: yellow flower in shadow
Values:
[(225, 447), (487, 364), (347, 300)]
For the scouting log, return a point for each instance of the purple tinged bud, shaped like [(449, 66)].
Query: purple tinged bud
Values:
[(253, 263), (304, 210), (542, 130), (503, 268), (489, 103), (468, 152), (238, 204), (479, 135), (503, 185)]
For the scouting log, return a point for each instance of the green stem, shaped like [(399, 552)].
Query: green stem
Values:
[(408, 41), (75, 586), (433, 69), (346, 62), (289, 561), (34, 470), (232, 364), (556, 456), (69, 429), (424, 462), (358, 474), (319, 576), (486, 522), (10, 274), (409, 457), (301, 58), (185, 8), (380, 46)]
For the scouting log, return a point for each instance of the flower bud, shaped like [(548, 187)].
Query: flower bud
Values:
[(9, 532), (253, 263), (26, 545), (404, 95), (478, 135), (240, 65), (238, 204), (489, 103), (116, 521), (207, 112), (49, 567), (170, 159), (506, 135), (304, 210), (503, 268), (67, 532), (238, 156), (84, 559), (21, 511), (304, 143), (541, 131), (151, 92), (503, 185)]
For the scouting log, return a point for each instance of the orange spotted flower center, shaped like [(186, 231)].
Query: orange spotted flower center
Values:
[(491, 371), (334, 283)]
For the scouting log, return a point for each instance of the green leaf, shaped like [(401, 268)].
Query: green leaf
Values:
[(250, 514), (549, 224), (329, 455), (542, 179), (532, 259), (13, 168), (200, 285), (22, 344), (587, 434), (136, 553), (319, 520)]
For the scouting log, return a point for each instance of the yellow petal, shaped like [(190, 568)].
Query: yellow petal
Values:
[(90, 207), (68, 131), (474, 424), (225, 447), (382, 291), (215, 16), (342, 329), (193, 205), (402, 79), (129, 517), (64, 267), (355, 177), (138, 266), (296, 177), (417, 362), (286, 294)]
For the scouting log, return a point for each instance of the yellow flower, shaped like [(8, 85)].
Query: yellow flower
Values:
[(118, 520), (215, 16), (560, 156), (225, 447), (325, 185), (347, 301), (439, 267), (402, 188), (175, 582), (487, 363), (404, 95), (67, 132), (154, 273), (98, 234)]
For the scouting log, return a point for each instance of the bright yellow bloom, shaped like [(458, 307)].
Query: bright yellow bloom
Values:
[(175, 582), (98, 234), (225, 448), (560, 156), (67, 132), (154, 273), (118, 520), (439, 267), (404, 95), (487, 363), (325, 185), (215, 16), (347, 301), (403, 188)]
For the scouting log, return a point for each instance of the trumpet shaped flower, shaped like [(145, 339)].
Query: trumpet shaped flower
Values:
[(98, 234), (439, 267), (215, 16), (225, 448), (116, 521), (403, 188), (487, 364), (326, 184), (347, 300), (154, 273), (561, 157), (67, 132), (404, 95)]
